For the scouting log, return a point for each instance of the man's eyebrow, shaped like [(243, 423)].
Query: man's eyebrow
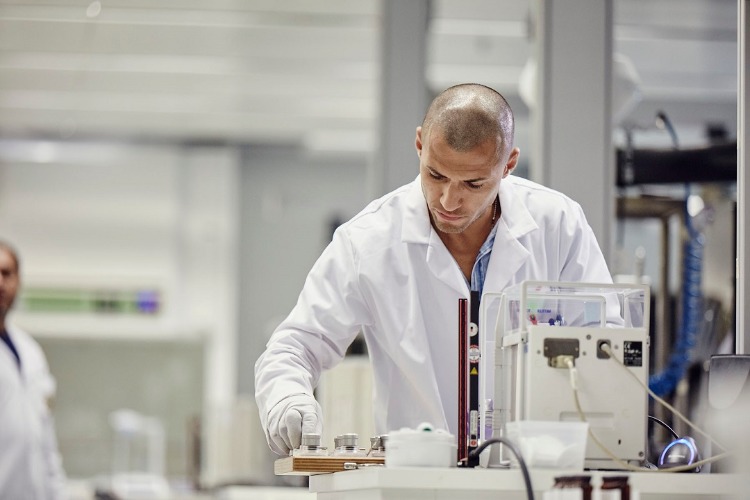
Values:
[(478, 179)]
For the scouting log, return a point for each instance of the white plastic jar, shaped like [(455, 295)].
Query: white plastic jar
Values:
[(421, 447)]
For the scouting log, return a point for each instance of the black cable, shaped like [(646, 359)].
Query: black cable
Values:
[(519, 457), (663, 122), (663, 424)]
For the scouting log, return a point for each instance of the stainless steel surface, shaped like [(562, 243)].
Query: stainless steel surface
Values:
[(349, 440)]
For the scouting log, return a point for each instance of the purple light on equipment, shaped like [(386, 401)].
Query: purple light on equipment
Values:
[(147, 301)]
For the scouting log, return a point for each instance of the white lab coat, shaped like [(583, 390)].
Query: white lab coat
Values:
[(388, 274), (30, 465)]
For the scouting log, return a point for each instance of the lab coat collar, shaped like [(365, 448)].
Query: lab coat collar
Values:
[(416, 228), (7, 357), (514, 212), (508, 253)]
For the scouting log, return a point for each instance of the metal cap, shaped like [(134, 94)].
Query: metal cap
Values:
[(378, 442), (310, 439), (350, 439)]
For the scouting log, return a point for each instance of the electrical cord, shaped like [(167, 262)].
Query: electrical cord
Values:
[(519, 457), (665, 383), (651, 393), (664, 424), (574, 385)]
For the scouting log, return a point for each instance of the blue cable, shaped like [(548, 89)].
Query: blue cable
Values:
[(664, 383)]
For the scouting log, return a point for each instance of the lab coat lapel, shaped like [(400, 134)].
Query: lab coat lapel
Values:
[(442, 264), (417, 229), (508, 253), (8, 363)]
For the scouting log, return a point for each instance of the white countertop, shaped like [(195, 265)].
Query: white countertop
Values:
[(267, 493), (485, 483)]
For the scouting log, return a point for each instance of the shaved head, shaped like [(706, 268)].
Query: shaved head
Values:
[(7, 247), (469, 114), (9, 281)]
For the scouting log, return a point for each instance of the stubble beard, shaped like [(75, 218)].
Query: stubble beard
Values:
[(451, 229)]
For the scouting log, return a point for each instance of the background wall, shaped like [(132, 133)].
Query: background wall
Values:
[(291, 204), (105, 217)]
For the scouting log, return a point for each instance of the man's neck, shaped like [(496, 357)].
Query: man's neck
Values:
[(466, 241), (464, 246), (473, 236)]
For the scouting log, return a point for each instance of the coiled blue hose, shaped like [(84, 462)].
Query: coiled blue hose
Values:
[(664, 383)]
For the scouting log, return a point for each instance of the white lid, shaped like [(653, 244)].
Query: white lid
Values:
[(423, 432)]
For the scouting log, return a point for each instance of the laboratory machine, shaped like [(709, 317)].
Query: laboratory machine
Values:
[(568, 352)]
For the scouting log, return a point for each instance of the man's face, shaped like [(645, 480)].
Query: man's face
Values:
[(459, 187), (8, 281)]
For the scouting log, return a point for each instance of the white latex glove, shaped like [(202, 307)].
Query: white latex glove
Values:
[(289, 419)]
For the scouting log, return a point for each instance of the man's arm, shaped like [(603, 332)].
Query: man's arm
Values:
[(584, 261), (314, 337)]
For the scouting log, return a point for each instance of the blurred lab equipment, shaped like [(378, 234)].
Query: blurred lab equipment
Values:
[(138, 456)]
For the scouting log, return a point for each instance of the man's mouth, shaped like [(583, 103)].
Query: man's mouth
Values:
[(448, 217)]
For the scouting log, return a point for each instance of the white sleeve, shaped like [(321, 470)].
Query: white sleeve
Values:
[(314, 337), (584, 261)]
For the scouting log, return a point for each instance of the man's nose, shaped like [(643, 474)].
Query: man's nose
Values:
[(451, 199)]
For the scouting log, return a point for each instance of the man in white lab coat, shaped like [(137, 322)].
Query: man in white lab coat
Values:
[(30, 465), (396, 270)]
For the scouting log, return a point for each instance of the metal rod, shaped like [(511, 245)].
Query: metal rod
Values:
[(474, 354), (463, 356)]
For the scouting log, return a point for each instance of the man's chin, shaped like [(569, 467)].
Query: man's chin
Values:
[(449, 229)]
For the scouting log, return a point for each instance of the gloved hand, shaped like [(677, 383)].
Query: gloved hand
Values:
[(289, 419)]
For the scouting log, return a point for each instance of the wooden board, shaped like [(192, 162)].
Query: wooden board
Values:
[(307, 466)]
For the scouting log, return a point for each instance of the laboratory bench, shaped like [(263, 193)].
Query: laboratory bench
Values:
[(381, 483), (82, 489)]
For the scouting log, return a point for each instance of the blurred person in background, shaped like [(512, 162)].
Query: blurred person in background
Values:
[(30, 464)]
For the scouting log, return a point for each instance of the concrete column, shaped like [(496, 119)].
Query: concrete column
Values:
[(209, 263), (572, 128), (403, 97), (208, 229)]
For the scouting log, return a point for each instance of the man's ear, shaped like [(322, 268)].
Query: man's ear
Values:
[(510, 165), (418, 141)]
